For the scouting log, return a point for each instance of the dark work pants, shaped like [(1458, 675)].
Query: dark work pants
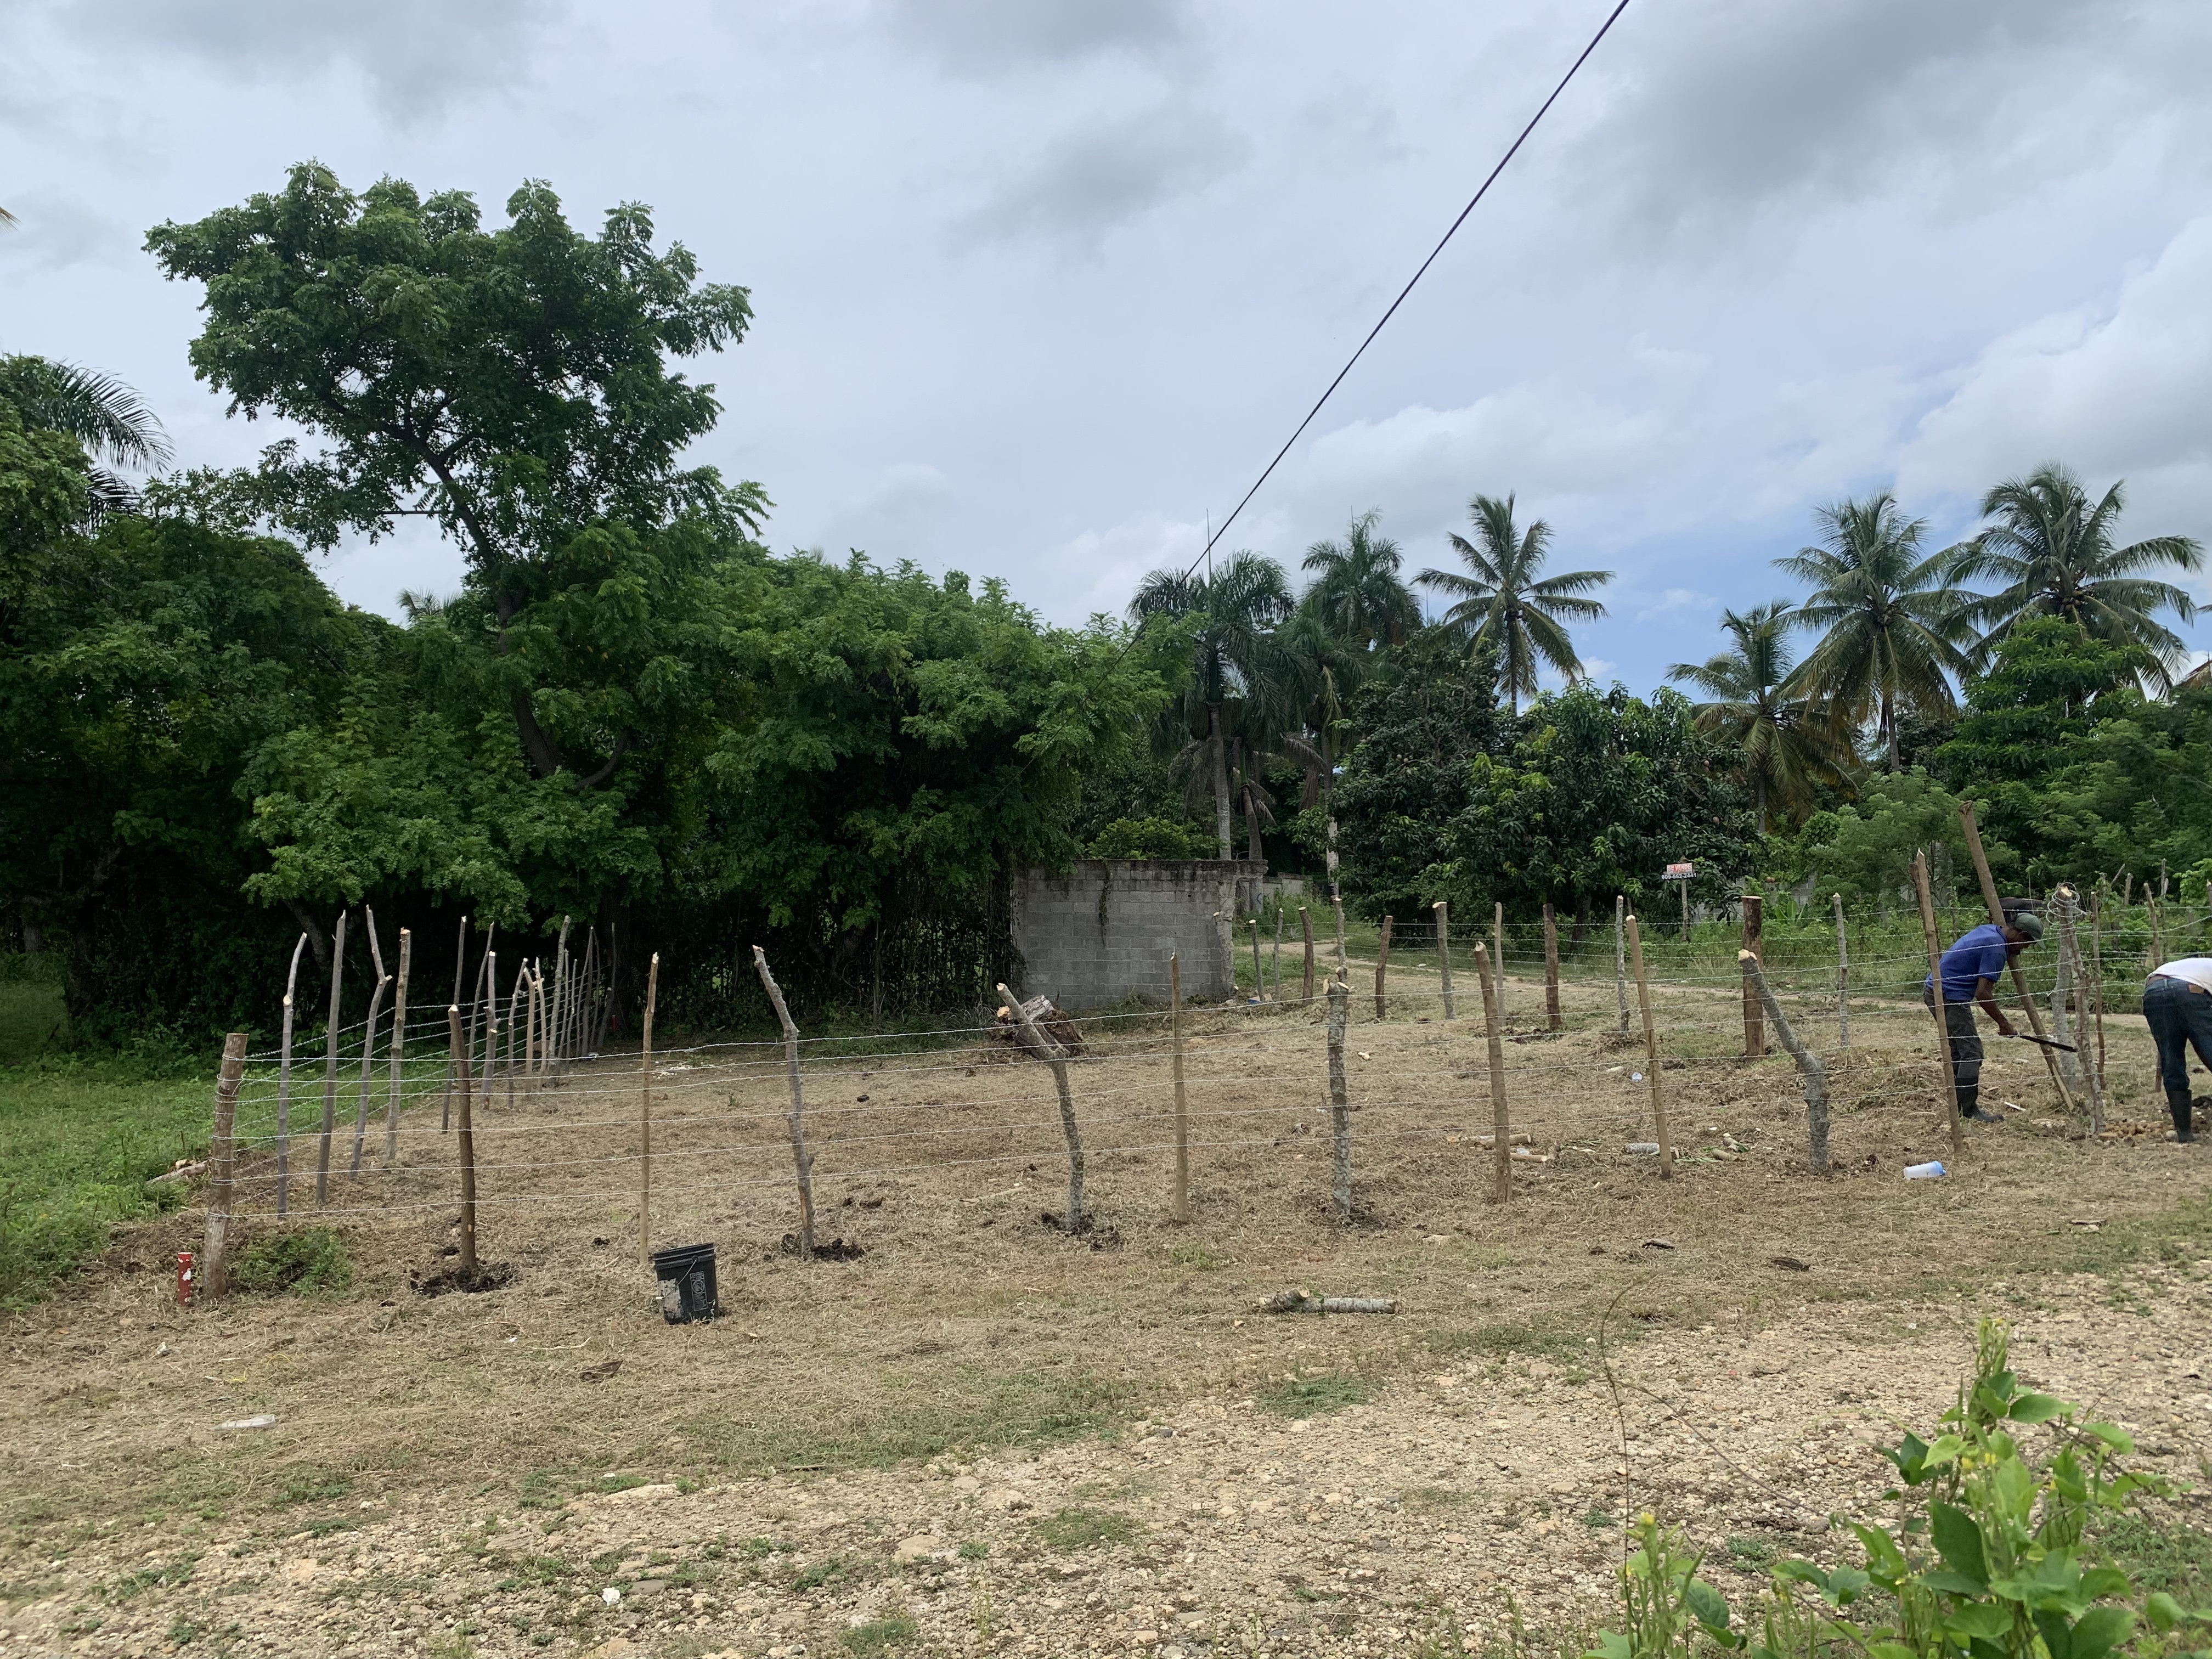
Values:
[(2179, 1020), (1965, 1050)]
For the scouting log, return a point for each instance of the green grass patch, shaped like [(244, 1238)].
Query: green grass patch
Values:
[(880, 1636), (310, 1261), (2160, 1554), (536, 1570), (826, 1574), (1082, 1527), (1510, 1337), (1310, 1396), (1196, 1253)]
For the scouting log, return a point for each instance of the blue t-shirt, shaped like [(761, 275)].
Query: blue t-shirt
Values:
[(1980, 954)]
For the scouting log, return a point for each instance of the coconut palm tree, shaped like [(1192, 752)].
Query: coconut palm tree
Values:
[(1358, 591), (100, 411), (1238, 606), (1501, 598), (1785, 749), (2054, 553), (1890, 626)]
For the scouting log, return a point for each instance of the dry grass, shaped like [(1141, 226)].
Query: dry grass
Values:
[(969, 1322)]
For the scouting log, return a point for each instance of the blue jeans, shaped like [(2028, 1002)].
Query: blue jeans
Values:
[(2180, 1019)]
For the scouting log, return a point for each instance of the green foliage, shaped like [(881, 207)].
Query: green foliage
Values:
[(1148, 838), (1313, 1396), (880, 1636), (1082, 1527), (1864, 849), (310, 1261), (1502, 604)]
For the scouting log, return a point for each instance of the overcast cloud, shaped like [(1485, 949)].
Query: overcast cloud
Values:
[(1041, 284)]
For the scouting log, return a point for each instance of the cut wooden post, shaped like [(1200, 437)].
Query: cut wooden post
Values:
[(1621, 958), (513, 1015), (1381, 965), (1336, 895), (534, 1039), (398, 1043), (1275, 959), (2062, 1025), (1552, 1021), (1652, 1066), (561, 977), (368, 1039), (1813, 1076), (1685, 911), (1305, 926), (1501, 1124), (1754, 1025), (1339, 1102), (1842, 977), (454, 1054), (2019, 973), (1179, 1206), (2069, 912), (802, 1161), (331, 1069), (1259, 978), (645, 1117), (1041, 1047), (222, 1160), (1444, 953), (468, 1149), (1498, 955), (2097, 1008), (1947, 1091), (284, 1085), (484, 995)]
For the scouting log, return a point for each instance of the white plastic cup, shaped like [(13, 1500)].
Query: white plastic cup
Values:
[(1928, 1171)]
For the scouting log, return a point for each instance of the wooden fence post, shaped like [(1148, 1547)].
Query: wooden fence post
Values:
[(1275, 958), (1620, 958), (330, 1070), (1947, 1091), (284, 1085), (1501, 1121), (2019, 973), (1305, 926), (1842, 977), (1444, 953), (1814, 1075), (1043, 1048), (1754, 1025), (1685, 911), (1179, 1206), (222, 1157), (368, 1039), (1552, 1020), (398, 1044), (802, 1160), (560, 1007), (644, 1118), (1381, 965), (468, 1149), (514, 1019), (2097, 1007), (1652, 1066), (1340, 1101), (2069, 914), (1258, 975), (1498, 957)]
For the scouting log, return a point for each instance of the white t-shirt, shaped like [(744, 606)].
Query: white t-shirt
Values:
[(2197, 970)]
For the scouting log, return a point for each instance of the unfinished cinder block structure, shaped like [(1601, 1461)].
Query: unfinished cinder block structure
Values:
[(1101, 930)]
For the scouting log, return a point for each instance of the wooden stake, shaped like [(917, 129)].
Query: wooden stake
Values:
[(284, 1085), (802, 1160), (1498, 955), (1501, 1123), (1842, 977), (1444, 953), (222, 1157), (1381, 965), (2019, 973), (1685, 911), (1754, 1027), (2092, 1085), (1043, 1047), (1305, 926), (468, 1148), (560, 1035), (1259, 978), (1947, 1091), (1275, 959), (1813, 1076), (398, 1043), (1179, 1205), (1340, 1101), (513, 1016), (644, 1118), (369, 1041), (483, 995), (1652, 1067), (330, 1070), (1336, 894), (1552, 1020), (453, 1054), (2097, 1007), (1621, 958)]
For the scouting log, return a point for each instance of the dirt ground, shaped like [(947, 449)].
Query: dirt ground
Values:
[(984, 1435)]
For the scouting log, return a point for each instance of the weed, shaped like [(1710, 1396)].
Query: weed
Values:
[(305, 1484), (311, 1262), (1434, 1497), (1509, 1337), (827, 1573), (1197, 1254), (1310, 1396), (975, 1549), (536, 1570), (1080, 1528), (2175, 1557), (880, 1636), (756, 1549), (184, 1633), (176, 1572), (1754, 1552)]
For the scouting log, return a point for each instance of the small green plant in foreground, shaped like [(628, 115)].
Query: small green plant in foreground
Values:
[(311, 1262), (880, 1636), (1310, 1396), (1080, 1528), (1999, 1561)]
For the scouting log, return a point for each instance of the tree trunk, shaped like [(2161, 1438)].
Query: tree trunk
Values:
[(1220, 781), (1581, 924), (1759, 798), (1889, 731)]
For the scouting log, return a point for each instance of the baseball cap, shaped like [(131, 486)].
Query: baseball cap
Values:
[(2028, 923)]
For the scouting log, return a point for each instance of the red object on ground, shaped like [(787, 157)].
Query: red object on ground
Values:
[(183, 1278)]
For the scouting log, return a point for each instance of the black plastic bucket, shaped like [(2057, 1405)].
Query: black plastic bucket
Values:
[(686, 1275)]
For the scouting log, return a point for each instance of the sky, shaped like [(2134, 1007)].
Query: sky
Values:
[(1041, 285)]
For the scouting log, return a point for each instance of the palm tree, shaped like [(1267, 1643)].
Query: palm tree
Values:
[(1506, 602), (2054, 553), (1358, 591), (1784, 748), (1237, 607), (1892, 627), (100, 411)]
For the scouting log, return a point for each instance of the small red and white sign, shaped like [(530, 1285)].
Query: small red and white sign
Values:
[(1680, 872)]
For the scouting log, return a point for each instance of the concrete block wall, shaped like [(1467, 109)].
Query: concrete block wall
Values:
[(1101, 931)]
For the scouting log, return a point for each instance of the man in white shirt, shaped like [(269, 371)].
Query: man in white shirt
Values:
[(2177, 1008)]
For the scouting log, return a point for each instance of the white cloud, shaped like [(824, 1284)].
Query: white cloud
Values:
[(1099, 569), (53, 232), (1676, 600), (895, 518), (982, 36), (1087, 182)]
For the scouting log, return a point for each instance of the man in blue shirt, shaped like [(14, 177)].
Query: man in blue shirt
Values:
[(1970, 970)]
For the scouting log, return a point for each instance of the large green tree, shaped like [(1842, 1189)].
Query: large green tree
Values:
[(1503, 598), (1785, 748), (1357, 590), (110, 419)]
